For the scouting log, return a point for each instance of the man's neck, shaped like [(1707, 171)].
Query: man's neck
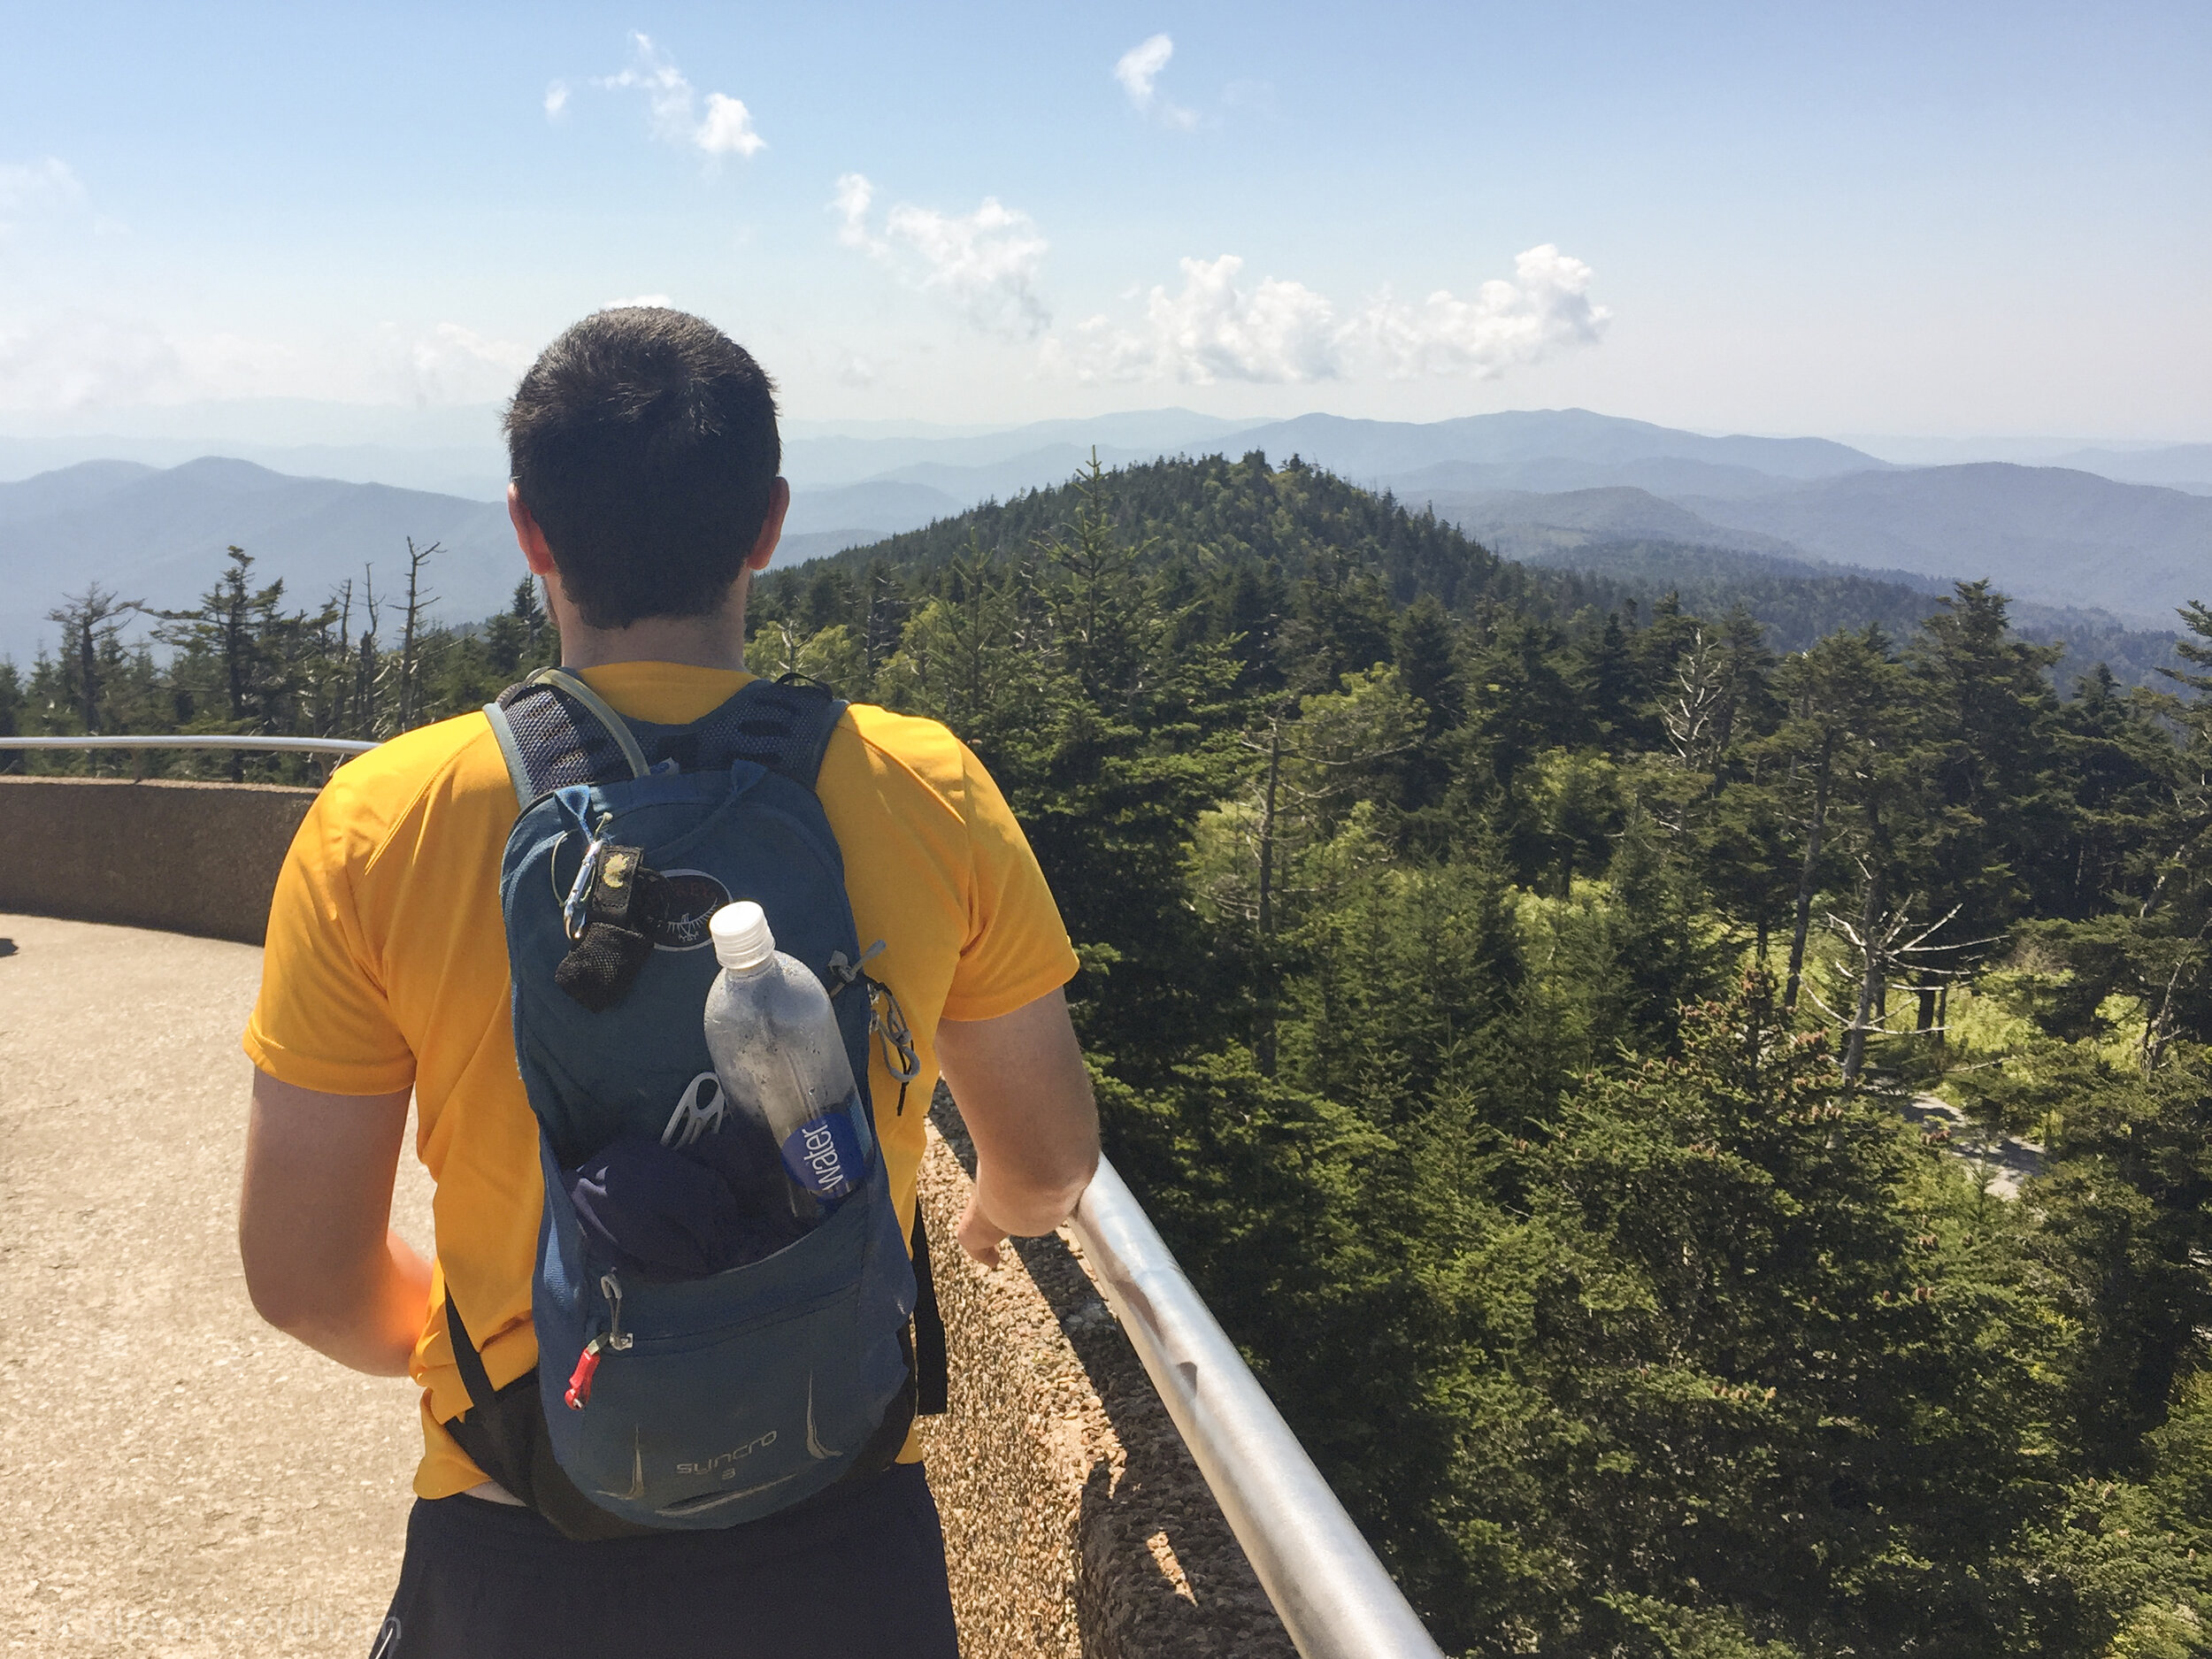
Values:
[(717, 640)]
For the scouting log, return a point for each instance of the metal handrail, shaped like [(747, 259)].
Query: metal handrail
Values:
[(211, 740), (1332, 1594)]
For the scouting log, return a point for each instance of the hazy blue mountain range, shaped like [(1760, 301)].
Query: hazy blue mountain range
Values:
[(1558, 448), (478, 473), (1023, 458), (2044, 533), (1536, 484), (1660, 474), (824, 521), (160, 535), (452, 449), (1376, 449), (2178, 467), (1536, 525)]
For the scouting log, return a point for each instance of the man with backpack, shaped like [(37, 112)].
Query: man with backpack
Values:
[(504, 915)]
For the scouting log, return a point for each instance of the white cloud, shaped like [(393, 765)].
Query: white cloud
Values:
[(1137, 70), (1216, 329), (556, 100), (850, 201), (1545, 309), (79, 361), (450, 364), (1220, 327), (985, 263), (45, 186), (654, 74), (31, 184), (727, 128), (659, 301), (1140, 67)]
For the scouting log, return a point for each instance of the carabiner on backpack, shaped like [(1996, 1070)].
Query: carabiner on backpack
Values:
[(575, 805), (887, 1020)]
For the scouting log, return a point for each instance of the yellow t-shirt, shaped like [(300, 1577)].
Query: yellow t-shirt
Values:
[(386, 967)]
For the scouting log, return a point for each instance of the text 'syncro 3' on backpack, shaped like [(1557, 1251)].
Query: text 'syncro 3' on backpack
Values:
[(694, 1401)]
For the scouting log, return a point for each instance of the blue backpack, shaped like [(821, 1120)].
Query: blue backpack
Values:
[(665, 1404)]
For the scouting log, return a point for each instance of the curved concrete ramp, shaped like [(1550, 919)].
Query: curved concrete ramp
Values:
[(175, 1477), (178, 1478)]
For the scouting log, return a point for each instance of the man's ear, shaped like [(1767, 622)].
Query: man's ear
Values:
[(528, 537), (771, 528)]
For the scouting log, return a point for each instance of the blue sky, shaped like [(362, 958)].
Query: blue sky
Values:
[(1940, 218)]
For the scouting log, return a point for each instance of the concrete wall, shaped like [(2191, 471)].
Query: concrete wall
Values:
[(1076, 1525), (182, 858)]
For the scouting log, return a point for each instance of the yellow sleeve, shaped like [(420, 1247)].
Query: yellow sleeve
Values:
[(322, 1020), (1017, 947)]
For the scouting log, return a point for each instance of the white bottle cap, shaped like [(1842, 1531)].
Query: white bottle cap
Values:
[(741, 936)]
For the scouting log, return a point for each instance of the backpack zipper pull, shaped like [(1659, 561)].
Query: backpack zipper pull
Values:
[(610, 1288), (613, 1336), (579, 1379)]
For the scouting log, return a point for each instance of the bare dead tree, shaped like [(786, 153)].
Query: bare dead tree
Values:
[(1808, 870), (418, 601), (1886, 948), (341, 695), (1692, 710), (367, 668), (2158, 1028)]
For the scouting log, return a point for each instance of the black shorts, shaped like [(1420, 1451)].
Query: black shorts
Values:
[(857, 1573)]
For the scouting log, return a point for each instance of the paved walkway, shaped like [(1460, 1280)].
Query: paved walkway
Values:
[(176, 1478), (2006, 1159)]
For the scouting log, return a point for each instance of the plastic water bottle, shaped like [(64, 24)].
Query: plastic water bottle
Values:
[(781, 1060)]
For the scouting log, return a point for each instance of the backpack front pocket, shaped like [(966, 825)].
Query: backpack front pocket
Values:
[(715, 1401)]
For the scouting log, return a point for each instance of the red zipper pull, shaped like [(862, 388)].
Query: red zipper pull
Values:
[(579, 1379)]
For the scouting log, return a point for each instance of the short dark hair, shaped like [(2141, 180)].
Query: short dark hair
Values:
[(643, 441)]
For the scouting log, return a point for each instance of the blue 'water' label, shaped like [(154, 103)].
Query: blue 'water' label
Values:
[(824, 1157)]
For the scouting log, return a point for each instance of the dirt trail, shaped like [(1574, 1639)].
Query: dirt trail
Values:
[(176, 1478)]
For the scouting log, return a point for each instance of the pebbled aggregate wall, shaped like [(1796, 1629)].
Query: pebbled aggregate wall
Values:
[(1075, 1521)]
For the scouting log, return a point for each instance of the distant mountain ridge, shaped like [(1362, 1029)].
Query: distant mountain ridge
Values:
[(1531, 524), (2178, 466), (2043, 532), (1537, 483), (1361, 449), (160, 535), (2049, 534), (1660, 474)]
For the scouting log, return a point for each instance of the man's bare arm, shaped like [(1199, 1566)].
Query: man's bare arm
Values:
[(314, 1231), (1026, 1099)]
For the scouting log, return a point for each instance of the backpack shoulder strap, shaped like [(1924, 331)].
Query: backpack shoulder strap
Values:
[(784, 727), (555, 731)]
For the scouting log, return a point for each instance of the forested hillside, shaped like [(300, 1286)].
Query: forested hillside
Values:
[(1797, 602), (1505, 998)]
